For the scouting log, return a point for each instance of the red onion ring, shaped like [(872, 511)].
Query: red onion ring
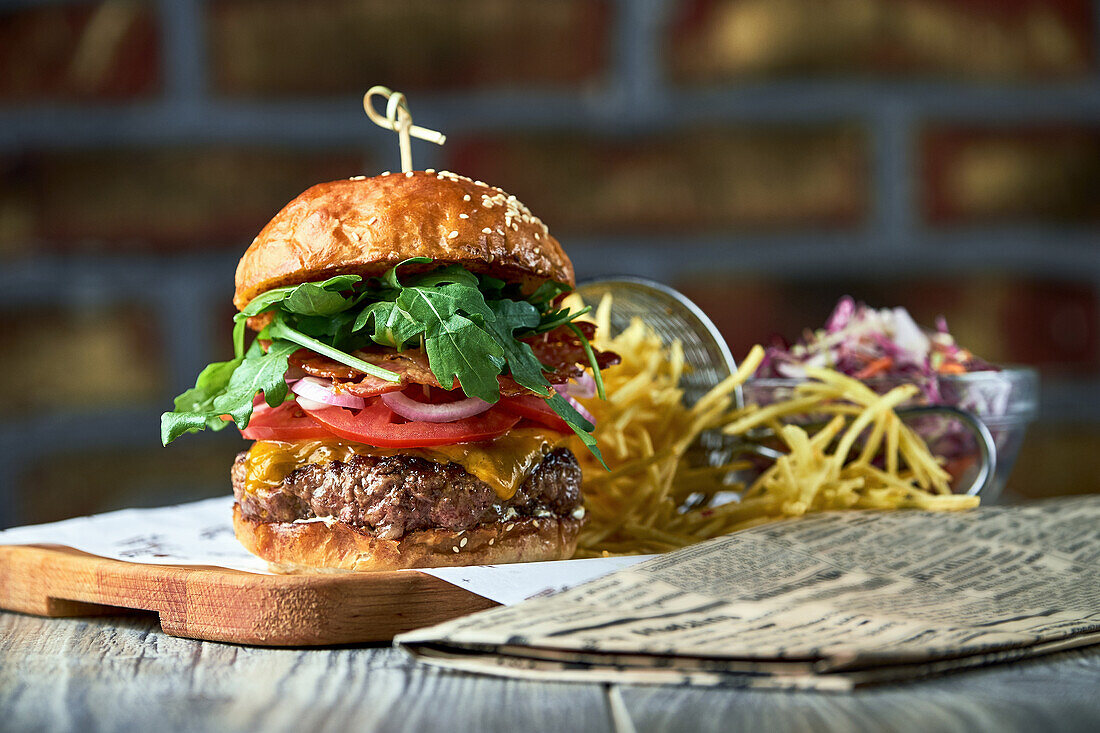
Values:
[(319, 390), (307, 404), (580, 408), (582, 386), (410, 409)]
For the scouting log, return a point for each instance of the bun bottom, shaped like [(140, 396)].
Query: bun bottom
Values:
[(319, 546)]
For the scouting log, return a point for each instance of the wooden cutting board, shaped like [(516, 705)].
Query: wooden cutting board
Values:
[(228, 605)]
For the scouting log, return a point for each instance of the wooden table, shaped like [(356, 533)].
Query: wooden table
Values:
[(123, 674)]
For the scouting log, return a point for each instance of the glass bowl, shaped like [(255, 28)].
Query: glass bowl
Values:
[(1006, 401)]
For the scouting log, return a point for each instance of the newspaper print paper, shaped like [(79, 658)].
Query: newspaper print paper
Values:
[(829, 601)]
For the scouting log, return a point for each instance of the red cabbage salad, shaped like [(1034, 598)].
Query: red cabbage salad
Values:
[(883, 345)]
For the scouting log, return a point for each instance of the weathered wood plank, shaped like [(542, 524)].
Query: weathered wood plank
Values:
[(122, 673), (1060, 692)]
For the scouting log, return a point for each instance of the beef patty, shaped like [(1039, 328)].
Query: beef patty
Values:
[(393, 495)]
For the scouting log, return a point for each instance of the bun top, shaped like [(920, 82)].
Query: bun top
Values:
[(364, 226)]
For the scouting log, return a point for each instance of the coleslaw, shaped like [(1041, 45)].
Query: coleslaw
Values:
[(876, 344)]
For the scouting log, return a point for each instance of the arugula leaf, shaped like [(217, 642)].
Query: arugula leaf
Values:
[(195, 406), (449, 274), (238, 338), (227, 388), (392, 325), (259, 372), (557, 318), (280, 329), (310, 299), (546, 293), (458, 348), (390, 278), (427, 306), (591, 360), (455, 344), (335, 326), (491, 287), (313, 301), (576, 421), (526, 369)]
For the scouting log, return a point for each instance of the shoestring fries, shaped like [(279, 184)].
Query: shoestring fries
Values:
[(842, 446)]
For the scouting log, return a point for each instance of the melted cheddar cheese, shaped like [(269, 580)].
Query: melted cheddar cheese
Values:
[(503, 463)]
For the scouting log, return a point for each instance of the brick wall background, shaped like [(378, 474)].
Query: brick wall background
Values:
[(766, 156)]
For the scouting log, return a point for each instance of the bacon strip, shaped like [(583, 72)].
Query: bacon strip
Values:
[(559, 349)]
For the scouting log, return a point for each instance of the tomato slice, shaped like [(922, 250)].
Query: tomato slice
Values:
[(284, 423), (534, 408), (377, 425)]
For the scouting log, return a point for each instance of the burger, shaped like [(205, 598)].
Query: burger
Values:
[(410, 388)]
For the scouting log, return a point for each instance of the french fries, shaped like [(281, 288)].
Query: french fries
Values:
[(842, 445)]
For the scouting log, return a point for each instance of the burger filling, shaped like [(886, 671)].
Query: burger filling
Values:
[(427, 354), (391, 495)]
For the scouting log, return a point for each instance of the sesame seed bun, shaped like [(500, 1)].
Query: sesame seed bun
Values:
[(320, 547), (364, 226)]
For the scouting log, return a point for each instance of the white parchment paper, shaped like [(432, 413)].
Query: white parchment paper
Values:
[(201, 533)]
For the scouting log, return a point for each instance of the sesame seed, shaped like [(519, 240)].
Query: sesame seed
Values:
[(385, 173), (535, 522), (492, 540), (464, 541), (429, 170), (536, 235), (373, 220), (455, 549), (466, 197), (487, 230), (508, 527), (453, 234), (463, 216), (357, 178), (409, 174)]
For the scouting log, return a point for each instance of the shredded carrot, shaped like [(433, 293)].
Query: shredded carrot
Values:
[(878, 366), (952, 368)]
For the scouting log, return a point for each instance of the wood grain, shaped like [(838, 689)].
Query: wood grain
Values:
[(122, 674), (226, 605)]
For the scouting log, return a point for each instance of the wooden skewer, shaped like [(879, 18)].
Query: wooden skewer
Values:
[(399, 120)]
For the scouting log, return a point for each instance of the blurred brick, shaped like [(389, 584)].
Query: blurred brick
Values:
[(284, 47), (1010, 40), (1054, 325), (116, 478), (104, 50), (696, 180), (987, 174), (78, 359), (175, 199), (1056, 460)]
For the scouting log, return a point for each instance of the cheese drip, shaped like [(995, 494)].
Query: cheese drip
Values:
[(503, 463)]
